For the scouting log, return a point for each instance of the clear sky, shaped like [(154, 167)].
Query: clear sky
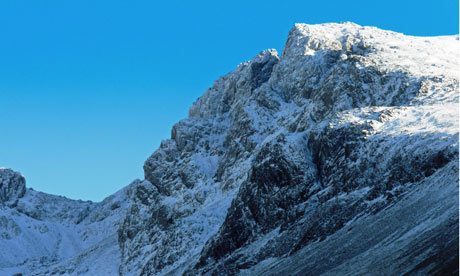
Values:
[(88, 89)]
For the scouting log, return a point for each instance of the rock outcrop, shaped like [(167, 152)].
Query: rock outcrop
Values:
[(12, 186)]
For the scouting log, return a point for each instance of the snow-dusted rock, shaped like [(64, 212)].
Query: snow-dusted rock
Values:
[(12, 186), (340, 157), (47, 234), (348, 121)]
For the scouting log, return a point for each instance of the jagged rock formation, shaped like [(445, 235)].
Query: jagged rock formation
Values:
[(340, 157), (12, 186)]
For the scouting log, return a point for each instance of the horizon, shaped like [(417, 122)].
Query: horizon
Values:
[(89, 90)]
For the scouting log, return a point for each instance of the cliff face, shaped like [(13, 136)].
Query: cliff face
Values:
[(340, 157), (286, 152)]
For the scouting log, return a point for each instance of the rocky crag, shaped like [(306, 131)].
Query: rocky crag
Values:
[(338, 157)]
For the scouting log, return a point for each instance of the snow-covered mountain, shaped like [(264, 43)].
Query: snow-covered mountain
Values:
[(339, 157)]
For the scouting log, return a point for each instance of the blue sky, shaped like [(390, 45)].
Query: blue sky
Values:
[(88, 89)]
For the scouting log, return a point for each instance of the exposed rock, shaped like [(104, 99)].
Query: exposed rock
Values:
[(12, 186)]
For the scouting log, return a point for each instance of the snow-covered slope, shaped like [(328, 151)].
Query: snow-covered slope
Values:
[(42, 234), (340, 157)]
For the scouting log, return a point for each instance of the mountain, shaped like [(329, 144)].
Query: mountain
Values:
[(338, 157)]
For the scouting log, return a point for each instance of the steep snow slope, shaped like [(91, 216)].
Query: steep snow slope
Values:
[(340, 157)]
